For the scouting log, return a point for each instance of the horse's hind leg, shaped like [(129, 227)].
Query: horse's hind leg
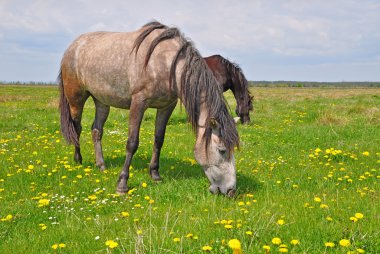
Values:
[(101, 114), (162, 118), (76, 110)]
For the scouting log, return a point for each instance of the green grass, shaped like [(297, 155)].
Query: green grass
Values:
[(309, 155)]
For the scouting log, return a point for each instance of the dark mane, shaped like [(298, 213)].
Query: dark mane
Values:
[(151, 26), (167, 34), (235, 70), (198, 84)]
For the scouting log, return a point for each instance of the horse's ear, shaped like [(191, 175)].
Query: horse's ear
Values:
[(215, 126), (213, 123)]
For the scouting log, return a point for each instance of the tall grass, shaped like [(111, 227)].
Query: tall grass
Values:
[(308, 168)]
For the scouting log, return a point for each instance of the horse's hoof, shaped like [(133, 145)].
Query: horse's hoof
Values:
[(78, 159), (121, 191), (155, 176), (231, 193), (102, 167)]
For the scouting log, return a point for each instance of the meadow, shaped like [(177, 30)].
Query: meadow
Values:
[(308, 180)]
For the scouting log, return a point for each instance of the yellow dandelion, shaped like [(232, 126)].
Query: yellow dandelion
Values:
[(360, 251), (43, 202), (235, 245), (54, 246), (8, 217), (144, 185), (294, 242), (266, 248), (276, 241), (359, 215), (366, 153), (280, 222), (125, 214), (228, 226), (92, 197), (353, 219), (330, 244), (207, 248), (111, 244), (62, 245), (176, 239), (130, 192), (283, 250), (317, 199), (344, 243), (42, 226), (250, 233)]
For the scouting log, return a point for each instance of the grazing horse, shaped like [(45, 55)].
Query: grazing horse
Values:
[(230, 76), (148, 68)]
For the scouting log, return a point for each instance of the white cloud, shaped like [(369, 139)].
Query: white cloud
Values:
[(277, 33)]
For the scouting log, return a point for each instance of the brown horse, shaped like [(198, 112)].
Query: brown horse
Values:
[(230, 76), (148, 68)]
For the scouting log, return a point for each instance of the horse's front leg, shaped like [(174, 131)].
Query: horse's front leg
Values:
[(162, 118), (136, 113)]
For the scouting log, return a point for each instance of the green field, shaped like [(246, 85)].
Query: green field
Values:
[(308, 170)]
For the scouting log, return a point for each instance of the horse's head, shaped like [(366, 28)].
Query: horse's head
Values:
[(239, 86), (243, 107), (217, 161)]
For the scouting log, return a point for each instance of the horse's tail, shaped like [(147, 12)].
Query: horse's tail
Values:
[(67, 123)]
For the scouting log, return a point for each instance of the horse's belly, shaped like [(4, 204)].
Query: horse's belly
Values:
[(115, 96)]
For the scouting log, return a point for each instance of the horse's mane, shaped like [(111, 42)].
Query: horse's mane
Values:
[(197, 83), (235, 70), (150, 27)]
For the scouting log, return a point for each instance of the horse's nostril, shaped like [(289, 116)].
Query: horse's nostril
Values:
[(231, 193)]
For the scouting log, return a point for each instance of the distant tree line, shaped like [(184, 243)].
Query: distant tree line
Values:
[(312, 84), (31, 83)]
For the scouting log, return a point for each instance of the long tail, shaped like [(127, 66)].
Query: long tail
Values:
[(67, 123)]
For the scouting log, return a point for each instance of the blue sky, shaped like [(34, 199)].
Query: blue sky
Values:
[(335, 40)]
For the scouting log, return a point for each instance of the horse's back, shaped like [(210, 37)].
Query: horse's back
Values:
[(219, 70), (99, 54), (106, 65)]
